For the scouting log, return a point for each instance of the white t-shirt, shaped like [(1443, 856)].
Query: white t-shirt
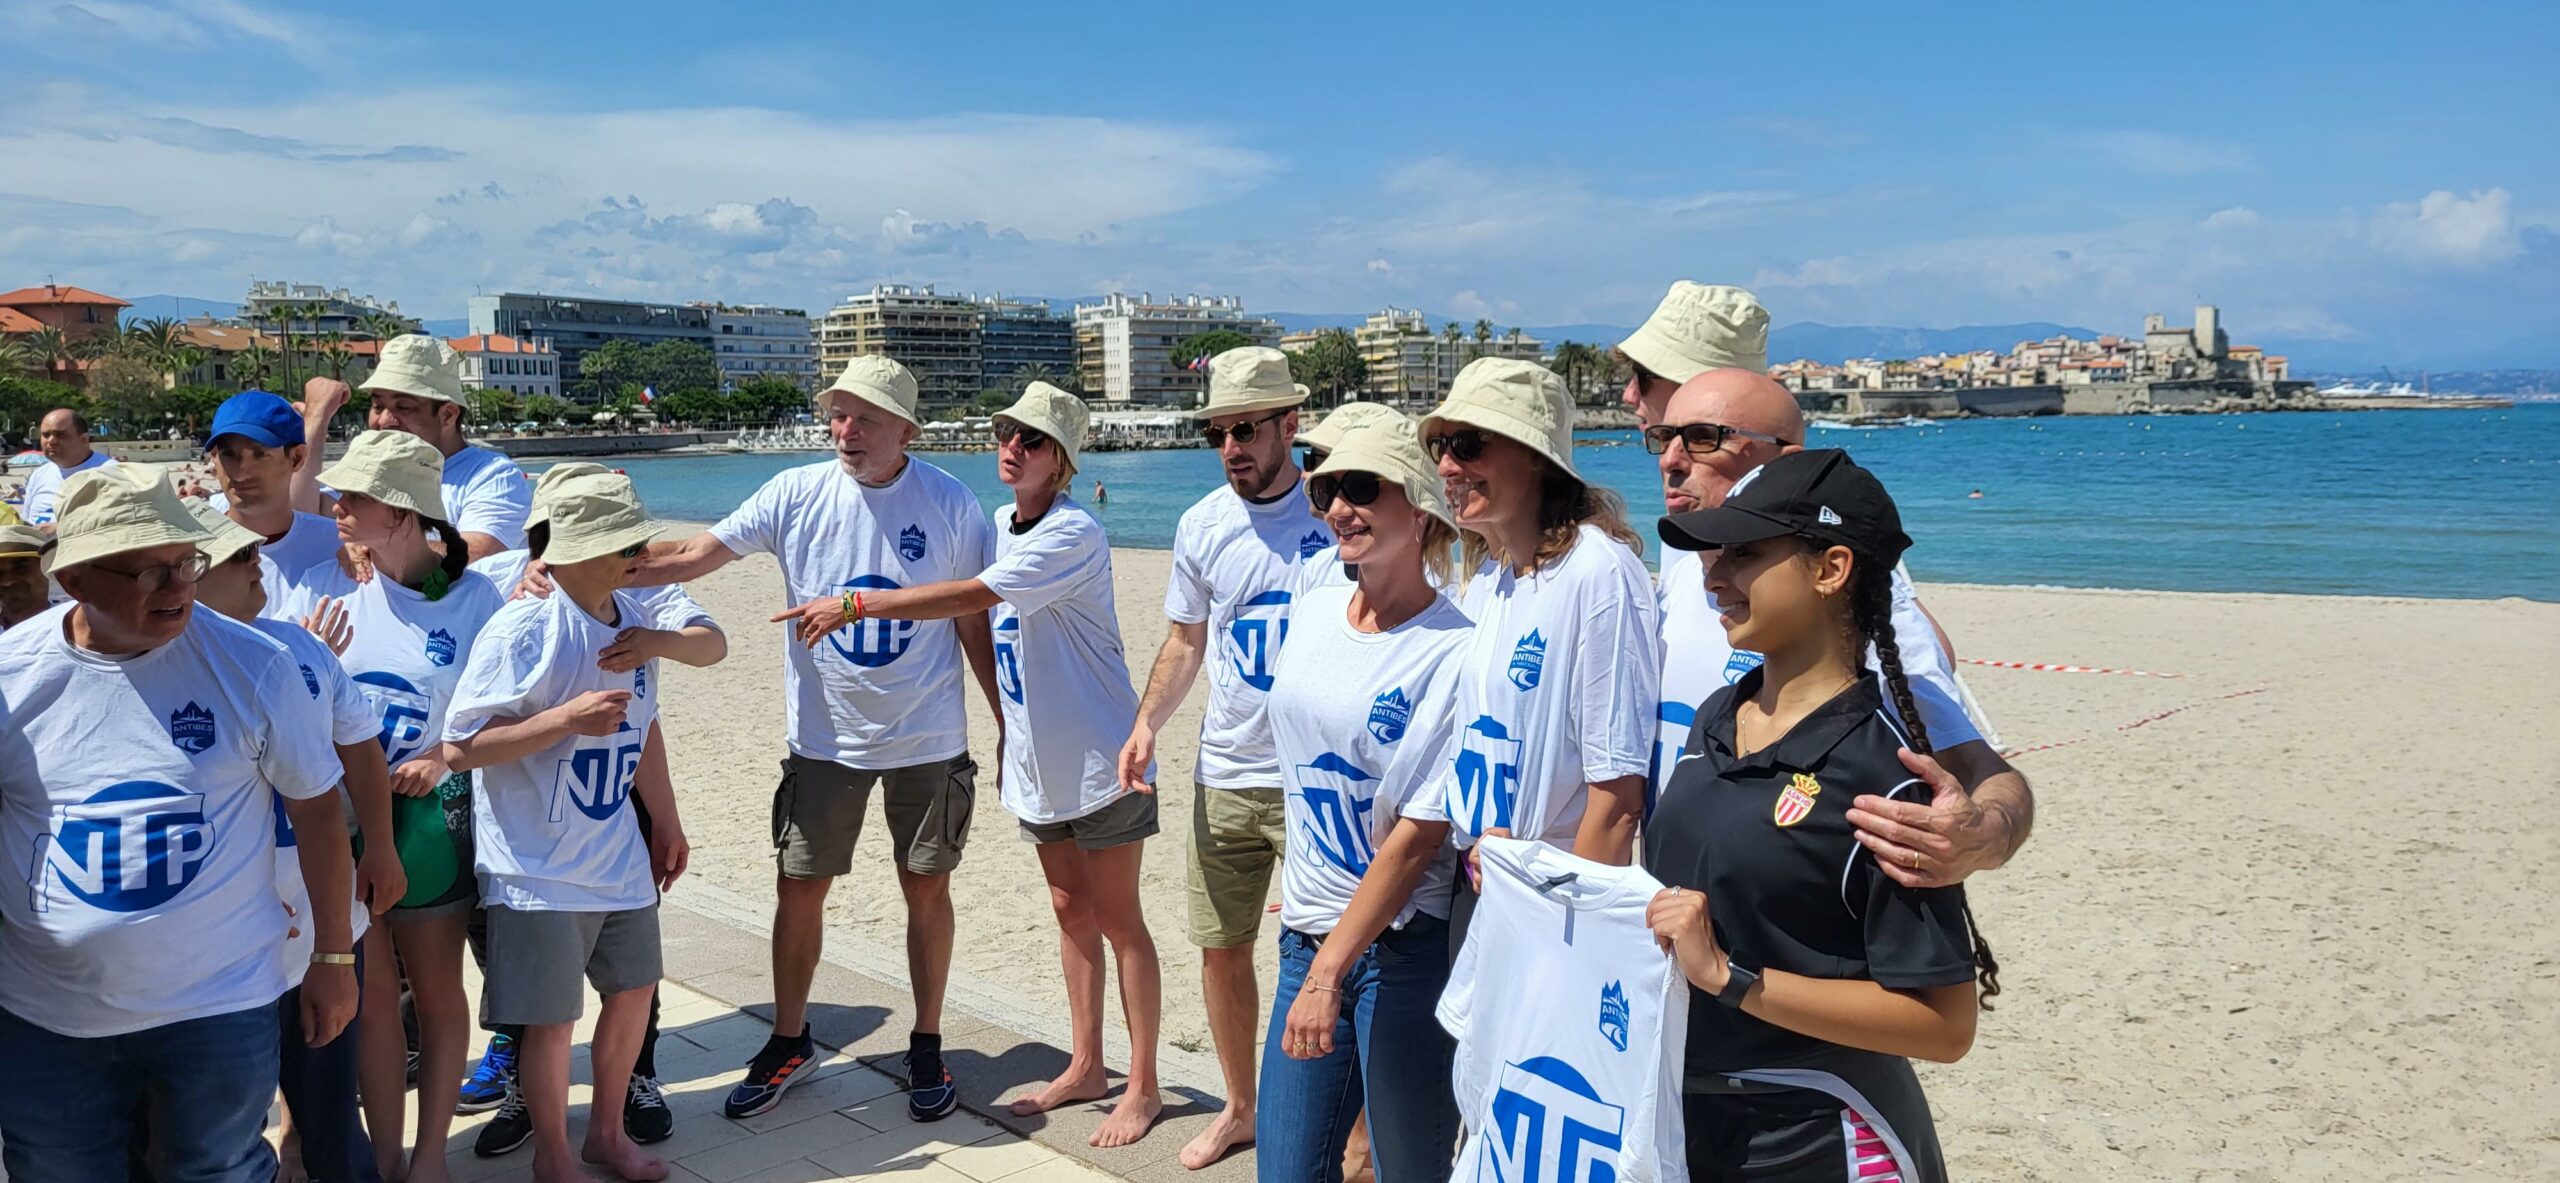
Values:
[(137, 823), (1571, 1025), (309, 542), (1361, 720), (408, 652), (351, 720), (1323, 569), (44, 486), (1061, 675), (1555, 691), (552, 829), (667, 607), (485, 493), (1235, 565), (1698, 660), (884, 693)]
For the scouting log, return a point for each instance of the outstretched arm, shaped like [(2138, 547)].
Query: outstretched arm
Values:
[(1177, 666), (934, 601)]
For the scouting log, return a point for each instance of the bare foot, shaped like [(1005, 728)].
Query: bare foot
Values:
[(1129, 1121), (427, 1168), (1070, 1087), (1227, 1132), (624, 1157)]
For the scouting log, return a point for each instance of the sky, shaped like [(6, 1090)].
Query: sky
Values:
[(2356, 183)]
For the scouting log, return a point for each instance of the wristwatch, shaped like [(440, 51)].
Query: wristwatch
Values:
[(333, 959), (1737, 982)]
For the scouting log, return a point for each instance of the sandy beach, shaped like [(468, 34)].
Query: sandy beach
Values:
[(2281, 934)]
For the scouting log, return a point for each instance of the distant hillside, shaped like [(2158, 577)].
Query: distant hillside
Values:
[(1833, 344), (179, 307)]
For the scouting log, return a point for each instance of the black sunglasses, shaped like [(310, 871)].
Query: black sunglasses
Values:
[(1244, 432), (1356, 487), (1466, 443), (1010, 432), (1702, 439), (1315, 458)]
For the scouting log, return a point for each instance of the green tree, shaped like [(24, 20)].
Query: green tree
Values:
[(127, 390), (674, 366), (24, 400), (989, 402), (692, 406), (335, 357), (495, 407), (282, 317), (17, 356), (1331, 366), (383, 326), (1572, 363), (1484, 335), (765, 399), (251, 366), (1026, 374), (605, 369), (55, 354), (545, 409), (155, 339)]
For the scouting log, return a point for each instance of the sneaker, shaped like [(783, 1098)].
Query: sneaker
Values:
[(488, 1083), (645, 1115), (770, 1073), (413, 1068), (509, 1128), (930, 1094)]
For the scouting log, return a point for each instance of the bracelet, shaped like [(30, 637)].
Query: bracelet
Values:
[(857, 605), (849, 606), (1325, 989), (333, 959)]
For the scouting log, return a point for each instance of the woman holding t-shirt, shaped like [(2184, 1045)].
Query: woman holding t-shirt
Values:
[(1067, 707), (413, 624), (1815, 976), (1556, 690), (1362, 716)]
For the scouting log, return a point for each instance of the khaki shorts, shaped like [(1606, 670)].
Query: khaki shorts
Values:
[(818, 810), (1131, 817), (1237, 836)]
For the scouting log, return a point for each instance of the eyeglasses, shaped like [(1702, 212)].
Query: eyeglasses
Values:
[(1245, 432), (1466, 443), (1030, 439), (152, 580), (1356, 487), (1702, 439)]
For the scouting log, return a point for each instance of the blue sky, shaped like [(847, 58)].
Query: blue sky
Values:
[(2351, 182)]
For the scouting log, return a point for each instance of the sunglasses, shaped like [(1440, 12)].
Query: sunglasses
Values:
[(1315, 458), (1466, 443), (1245, 432), (635, 551), (1358, 488), (1702, 439), (1010, 432), (151, 580)]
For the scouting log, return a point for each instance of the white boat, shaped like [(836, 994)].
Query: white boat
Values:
[(796, 437)]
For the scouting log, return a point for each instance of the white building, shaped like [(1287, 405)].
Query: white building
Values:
[(754, 341), (519, 365), (1124, 345)]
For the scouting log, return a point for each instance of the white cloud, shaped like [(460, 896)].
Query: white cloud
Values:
[(2160, 152), (1470, 304), (192, 26), (1380, 267), (2445, 228), (2236, 218), (1726, 200)]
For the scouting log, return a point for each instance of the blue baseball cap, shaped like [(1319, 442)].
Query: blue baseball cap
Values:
[(260, 417)]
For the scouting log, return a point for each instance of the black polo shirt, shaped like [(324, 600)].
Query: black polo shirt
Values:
[(1767, 838)]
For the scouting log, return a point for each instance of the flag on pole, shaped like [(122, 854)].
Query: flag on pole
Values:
[(648, 394)]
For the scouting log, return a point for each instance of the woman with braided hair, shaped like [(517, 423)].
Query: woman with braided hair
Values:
[(1815, 977)]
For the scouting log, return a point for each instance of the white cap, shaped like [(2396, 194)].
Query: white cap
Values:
[(1521, 401), (1250, 378), (109, 511), (880, 381), (393, 467), (1700, 327), (419, 365), (1052, 412)]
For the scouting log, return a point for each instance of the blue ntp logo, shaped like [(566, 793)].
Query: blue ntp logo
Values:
[(1528, 661), (191, 728), (1009, 656), (1389, 714), (1339, 796), (1615, 1015), (1254, 637), (911, 543), (1314, 541), (1488, 768), (597, 775), (440, 647), (1550, 1126), (130, 847), (404, 710), (876, 642)]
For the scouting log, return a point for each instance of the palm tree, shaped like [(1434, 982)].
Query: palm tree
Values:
[(155, 339), (1568, 363), (335, 357), (53, 351), (1029, 372), (17, 356), (282, 316), (1484, 335), (183, 360), (383, 326), (250, 366)]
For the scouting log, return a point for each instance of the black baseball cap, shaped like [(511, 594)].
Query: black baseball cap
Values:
[(1819, 494)]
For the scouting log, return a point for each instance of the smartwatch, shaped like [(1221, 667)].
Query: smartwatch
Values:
[(1738, 982)]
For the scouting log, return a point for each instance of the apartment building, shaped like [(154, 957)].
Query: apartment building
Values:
[(1124, 345), (935, 336), (577, 326), (322, 309), (754, 341), (492, 361), (1019, 337)]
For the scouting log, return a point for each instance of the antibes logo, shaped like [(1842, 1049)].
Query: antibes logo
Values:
[(1549, 1125), (1254, 637), (1339, 796), (1389, 715), (440, 647), (1615, 1015), (911, 543), (1528, 661), (876, 642), (596, 777), (1316, 540), (191, 729), (129, 847)]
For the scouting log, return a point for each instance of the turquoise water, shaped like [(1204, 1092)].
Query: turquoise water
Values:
[(2461, 504)]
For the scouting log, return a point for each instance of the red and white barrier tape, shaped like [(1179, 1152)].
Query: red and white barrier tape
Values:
[(2144, 721), (2051, 668)]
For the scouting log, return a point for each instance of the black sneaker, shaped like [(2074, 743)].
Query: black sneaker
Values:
[(511, 1126), (645, 1115), (930, 1094), (770, 1073)]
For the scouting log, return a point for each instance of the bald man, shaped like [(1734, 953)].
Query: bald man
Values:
[(1721, 425)]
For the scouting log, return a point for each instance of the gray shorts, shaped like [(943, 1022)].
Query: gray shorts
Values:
[(1131, 817), (537, 958), (818, 808)]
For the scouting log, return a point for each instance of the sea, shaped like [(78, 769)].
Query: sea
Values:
[(2427, 503)]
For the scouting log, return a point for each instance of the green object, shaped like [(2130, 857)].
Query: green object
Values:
[(433, 835)]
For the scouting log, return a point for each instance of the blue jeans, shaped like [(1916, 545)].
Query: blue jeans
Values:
[(1388, 1049), (67, 1105), (320, 1091)]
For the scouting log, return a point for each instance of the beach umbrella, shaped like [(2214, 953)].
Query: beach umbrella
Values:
[(27, 459)]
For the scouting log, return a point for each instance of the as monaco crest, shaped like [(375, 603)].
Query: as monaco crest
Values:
[(1795, 802)]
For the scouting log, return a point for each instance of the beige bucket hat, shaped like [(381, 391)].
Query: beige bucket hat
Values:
[(1392, 451), (1250, 378), (1052, 412), (227, 537), (393, 467), (420, 365), (1521, 401), (110, 511), (593, 516), (1349, 415), (18, 541), (552, 478), (1700, 327), (880, 381)]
